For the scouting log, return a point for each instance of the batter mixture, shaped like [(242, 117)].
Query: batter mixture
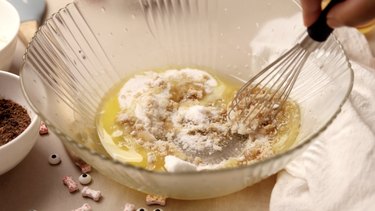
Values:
[(163, 121)]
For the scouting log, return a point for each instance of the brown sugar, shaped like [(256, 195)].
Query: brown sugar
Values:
[(13, 120)]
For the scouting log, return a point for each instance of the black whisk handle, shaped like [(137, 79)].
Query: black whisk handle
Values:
[(319, 30)]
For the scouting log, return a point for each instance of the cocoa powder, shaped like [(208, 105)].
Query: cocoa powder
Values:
[(13, 120)]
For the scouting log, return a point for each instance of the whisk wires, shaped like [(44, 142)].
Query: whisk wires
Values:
[(265, 94)]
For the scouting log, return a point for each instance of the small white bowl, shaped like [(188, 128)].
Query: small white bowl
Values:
[(9, 26), (13, 152)]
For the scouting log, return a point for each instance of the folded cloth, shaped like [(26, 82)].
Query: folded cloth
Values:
[(337, 172)]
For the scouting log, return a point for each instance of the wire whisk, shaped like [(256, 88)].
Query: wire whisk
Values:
[(263, 96)]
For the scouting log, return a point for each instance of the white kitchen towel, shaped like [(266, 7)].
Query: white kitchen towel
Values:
[(337, 172)]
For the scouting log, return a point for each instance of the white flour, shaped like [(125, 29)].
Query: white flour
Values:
[(195, 125), (179, 115), (151, 101)]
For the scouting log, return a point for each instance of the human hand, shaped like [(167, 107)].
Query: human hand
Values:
[(347, 13)]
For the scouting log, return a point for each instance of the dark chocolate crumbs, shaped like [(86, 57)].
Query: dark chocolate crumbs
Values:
[(13, 120)]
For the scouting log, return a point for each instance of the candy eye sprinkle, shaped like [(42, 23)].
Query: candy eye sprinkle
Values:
[(141, 209), (158, 209), (84, 179), (54, 159)]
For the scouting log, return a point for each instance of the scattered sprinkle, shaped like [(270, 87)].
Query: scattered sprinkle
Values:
[(85, 207), (84, 179), (70, 183), (43, 129), (129, 207), (85, 168), (156, 200), (90, 193), (54, 159)]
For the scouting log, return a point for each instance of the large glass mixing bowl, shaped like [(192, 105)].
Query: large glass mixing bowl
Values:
[(88, 46)]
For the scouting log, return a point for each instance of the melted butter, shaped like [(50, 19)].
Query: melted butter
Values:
[(287, 133), (125, 149)]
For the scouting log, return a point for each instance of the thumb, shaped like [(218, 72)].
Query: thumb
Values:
[(351, 13)]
